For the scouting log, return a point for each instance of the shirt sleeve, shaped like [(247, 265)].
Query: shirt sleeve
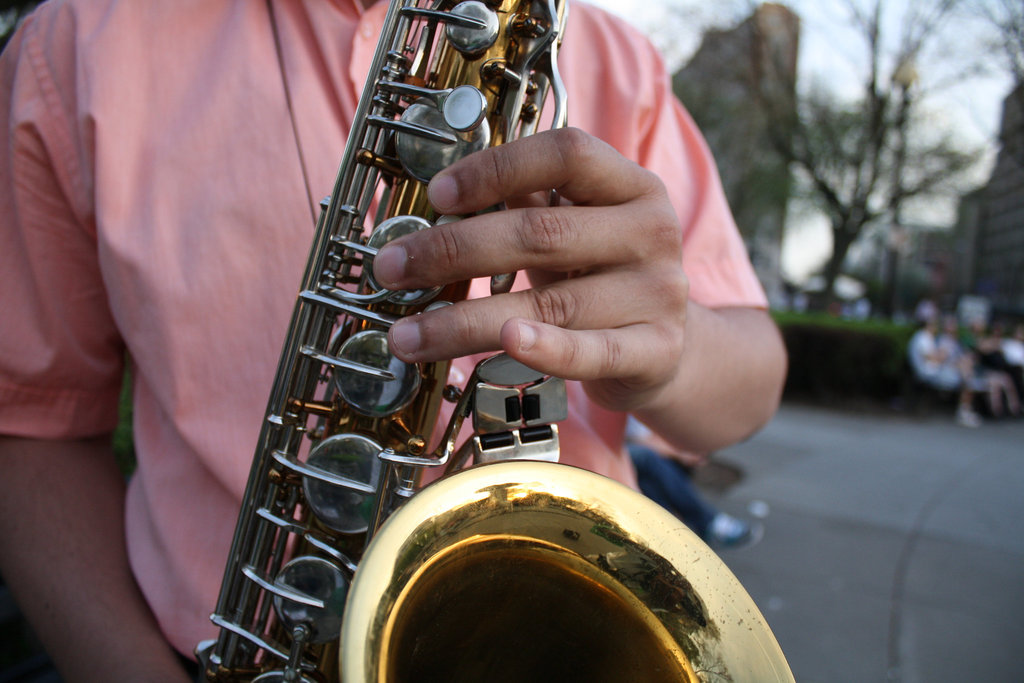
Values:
[(61, 358), (714, 256)]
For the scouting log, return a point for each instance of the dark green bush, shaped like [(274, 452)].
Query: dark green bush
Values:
[(834, 360), (123, 443)]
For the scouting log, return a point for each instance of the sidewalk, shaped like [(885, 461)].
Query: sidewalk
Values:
[(894, 547)]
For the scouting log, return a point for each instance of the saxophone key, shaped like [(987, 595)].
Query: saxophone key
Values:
[(341, 475), (310, 593), (372, 380)]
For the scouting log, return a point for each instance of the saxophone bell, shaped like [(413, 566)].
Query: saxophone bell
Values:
[(534, 571)]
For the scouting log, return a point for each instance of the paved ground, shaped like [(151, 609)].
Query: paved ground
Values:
[(894, 547)]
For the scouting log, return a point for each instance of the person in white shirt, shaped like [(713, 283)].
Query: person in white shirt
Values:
[(940, 363)]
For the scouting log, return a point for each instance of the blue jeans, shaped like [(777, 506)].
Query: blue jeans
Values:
[(666, 482)]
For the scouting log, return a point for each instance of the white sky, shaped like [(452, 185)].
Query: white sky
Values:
[(831, 52)]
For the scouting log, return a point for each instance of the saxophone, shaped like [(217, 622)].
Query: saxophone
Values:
[(343, 566)]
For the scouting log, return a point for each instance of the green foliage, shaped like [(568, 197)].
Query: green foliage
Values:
[(832, 360), (11, 13), (124, 445)]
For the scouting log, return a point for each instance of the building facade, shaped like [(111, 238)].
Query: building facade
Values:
[(990, 233), (738, 85)]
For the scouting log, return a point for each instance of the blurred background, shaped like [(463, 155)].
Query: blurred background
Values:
[(870, 150), (873, 155)]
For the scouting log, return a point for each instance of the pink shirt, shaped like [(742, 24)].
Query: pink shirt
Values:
[(156, 204)]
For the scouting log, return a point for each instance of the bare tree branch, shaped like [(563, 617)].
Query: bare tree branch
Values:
[(863, 160)]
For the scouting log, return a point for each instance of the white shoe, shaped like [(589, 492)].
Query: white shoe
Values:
[(965, 417), (727, 531)]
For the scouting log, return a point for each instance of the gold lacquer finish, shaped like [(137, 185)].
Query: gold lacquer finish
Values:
[(538, 572)]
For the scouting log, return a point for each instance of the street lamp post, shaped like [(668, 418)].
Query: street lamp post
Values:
[(903, 79)]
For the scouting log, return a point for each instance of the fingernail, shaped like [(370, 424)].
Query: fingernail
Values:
[(527, 336), (443, 192), (405, 336), (389, 264)]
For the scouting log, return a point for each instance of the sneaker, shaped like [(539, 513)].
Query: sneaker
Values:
[(965, 417), (726, 531)]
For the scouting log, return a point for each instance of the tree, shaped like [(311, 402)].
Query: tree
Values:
[(861, 159), (1006, 17), (12, 12), (1004, 20)]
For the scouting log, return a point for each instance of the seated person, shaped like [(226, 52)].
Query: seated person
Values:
[(666, 480), (1013, 353), (990, 367), (941, 364)]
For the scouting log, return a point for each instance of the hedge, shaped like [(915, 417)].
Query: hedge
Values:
[(833, 360)]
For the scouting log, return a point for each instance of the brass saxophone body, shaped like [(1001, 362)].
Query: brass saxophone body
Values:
[(342, 566)]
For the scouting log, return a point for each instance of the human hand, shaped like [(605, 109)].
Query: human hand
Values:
[(608, 296)]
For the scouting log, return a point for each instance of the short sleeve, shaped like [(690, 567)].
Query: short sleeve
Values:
[(61, 358), (714, 256)]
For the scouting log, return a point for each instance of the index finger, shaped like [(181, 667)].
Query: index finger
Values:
[(580, 167)]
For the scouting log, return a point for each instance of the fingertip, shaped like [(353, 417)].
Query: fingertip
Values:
[(528, 334), (518, 336), (443, 192), (389, 265), (405, 339)]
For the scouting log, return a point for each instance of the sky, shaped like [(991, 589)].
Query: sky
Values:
[(831, 52)]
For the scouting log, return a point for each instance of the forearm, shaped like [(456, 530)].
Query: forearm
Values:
[(62, 550), (728, 383)]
